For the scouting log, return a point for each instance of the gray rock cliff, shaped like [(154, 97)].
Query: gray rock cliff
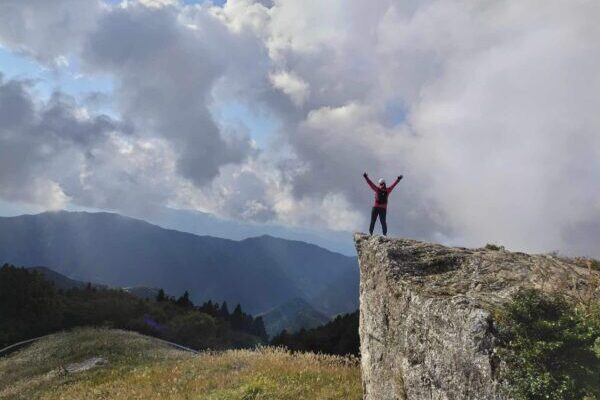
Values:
[(426, 314)]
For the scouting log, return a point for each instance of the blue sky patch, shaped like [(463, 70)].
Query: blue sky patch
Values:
[(259, 124), (65, 77), (395, 113)]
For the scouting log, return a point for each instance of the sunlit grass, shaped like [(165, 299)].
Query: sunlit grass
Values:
[(142, 369)]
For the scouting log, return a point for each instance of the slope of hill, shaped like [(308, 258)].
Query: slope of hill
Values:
[(63, 282), (59, 280), (142, 292), (292, 316), (30, 306), (138, 367), (109, 249)]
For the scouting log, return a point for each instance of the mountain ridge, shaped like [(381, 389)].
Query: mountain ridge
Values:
[(60, 281), (292, 316), (115, 250)]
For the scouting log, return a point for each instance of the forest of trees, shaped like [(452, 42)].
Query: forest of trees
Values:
[(31, 306), (339, 336)]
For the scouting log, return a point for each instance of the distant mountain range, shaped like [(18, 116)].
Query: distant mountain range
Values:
[(200, 223), (292, 316), (260, 273)]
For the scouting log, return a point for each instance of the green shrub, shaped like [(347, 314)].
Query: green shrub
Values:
[(551, 347)]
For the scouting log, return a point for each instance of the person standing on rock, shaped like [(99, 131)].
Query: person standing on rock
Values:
[(382, 193)]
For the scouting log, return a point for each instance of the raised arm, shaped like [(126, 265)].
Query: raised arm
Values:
[(370, 182), (394, 184)]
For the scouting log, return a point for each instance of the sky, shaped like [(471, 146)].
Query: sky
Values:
[(268, 112)]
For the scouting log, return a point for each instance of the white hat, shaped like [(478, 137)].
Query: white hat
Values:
[(381, 180)]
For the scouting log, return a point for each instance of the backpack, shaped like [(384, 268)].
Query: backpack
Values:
[(382, 196)]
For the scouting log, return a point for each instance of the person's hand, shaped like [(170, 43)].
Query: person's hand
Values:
[(365, 175), (400, 177)]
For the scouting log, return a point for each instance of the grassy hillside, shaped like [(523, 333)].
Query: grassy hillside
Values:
[(140, 368)]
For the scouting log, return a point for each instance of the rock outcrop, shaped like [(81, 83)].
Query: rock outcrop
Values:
[(94, 362), (426, 314)]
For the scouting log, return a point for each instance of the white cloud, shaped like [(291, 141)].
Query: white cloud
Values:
[(292, 85), (158, 3), (488, 109), (47, 30), (305, 27), (61, 61), (239, 15)]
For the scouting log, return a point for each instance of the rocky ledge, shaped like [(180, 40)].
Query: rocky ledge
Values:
[(426, 314)]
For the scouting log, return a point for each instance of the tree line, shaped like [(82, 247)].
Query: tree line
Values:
[(339, 336), (32, 306)]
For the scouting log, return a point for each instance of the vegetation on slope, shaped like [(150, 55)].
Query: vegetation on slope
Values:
[(140, 368), (31, 306), (339, 337), (552, 346)]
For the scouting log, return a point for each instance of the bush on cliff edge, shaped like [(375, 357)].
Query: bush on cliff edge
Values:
[(551, 347)]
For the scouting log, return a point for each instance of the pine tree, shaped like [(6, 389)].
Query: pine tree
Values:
[(224, 311), (258, 328), (281, 339), (210, 308), (184, 301), (237, 319), (160, 296)]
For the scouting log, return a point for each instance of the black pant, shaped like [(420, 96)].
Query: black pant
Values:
[(378, 211)]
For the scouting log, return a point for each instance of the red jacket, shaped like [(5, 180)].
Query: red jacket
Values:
[(376, 189)]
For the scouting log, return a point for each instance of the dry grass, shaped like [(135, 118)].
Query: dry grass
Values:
[(583, 293), (142, 369)]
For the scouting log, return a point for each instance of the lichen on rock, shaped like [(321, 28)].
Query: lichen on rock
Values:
[(426, 314)]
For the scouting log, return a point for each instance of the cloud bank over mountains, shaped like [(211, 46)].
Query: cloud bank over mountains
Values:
[(488, 109)]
